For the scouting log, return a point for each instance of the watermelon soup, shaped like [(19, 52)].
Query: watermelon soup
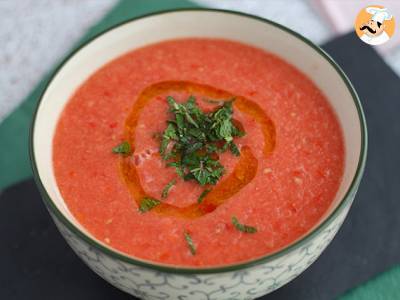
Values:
[(198, 152)]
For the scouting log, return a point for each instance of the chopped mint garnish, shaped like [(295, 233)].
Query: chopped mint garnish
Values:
[(243, 227), (193, 139), (202, 195), (166, 189), (147, 204), (190, 243), (123, 148)]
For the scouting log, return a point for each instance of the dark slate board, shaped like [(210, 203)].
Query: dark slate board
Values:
[(36, 263)]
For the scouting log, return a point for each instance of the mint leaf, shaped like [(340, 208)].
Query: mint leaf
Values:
[(243, 227), (204, 169), (166, 189), (147, 204), (123, 148), (202, 195), (169, 135), (234, 149), (178, 168), (190, 243)]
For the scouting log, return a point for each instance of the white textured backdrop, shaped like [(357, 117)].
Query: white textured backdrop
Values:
[(34, 35)]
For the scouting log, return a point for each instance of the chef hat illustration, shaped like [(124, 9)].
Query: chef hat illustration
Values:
[(379, 14)]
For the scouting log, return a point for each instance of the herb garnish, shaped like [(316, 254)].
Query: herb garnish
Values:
[(243, 227), (166, 189), (123, 148), (147, 204), (193, 139), (190, 243), (202, 195)]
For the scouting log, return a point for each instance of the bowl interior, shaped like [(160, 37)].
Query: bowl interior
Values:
[(179, 24)]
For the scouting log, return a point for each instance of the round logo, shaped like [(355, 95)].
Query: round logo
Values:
[(374, 25)]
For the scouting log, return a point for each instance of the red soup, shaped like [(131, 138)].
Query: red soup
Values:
[(198, 152)]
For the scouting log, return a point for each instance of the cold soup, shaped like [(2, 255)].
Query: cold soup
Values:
[(198, 152)]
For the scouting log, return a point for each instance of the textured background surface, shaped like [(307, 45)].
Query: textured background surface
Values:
[(34, 35)]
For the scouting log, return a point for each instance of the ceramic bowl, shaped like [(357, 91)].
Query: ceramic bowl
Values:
[(246, 280)]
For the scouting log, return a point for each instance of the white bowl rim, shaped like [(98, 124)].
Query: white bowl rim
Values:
[(224, 268)]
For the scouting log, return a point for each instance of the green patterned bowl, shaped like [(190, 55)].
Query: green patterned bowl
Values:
[(246, 280)]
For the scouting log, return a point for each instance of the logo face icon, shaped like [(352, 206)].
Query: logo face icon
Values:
[(375, 25)]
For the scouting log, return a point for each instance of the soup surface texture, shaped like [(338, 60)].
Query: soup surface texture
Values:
[(283, 182)]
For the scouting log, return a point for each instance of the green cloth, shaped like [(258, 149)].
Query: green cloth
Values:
[(14, 131), (385, 286)]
